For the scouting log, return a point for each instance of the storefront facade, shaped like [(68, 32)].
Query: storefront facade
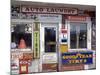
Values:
[(50, 38)]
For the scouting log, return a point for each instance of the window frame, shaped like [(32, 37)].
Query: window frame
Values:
[(88, 22), (50, 25), (22, 22)]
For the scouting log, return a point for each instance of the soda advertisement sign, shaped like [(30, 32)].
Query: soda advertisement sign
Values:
[(77, 58)]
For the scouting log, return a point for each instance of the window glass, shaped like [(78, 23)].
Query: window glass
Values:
[(73, 39), (83, 36), (50, 39), (78, 35), (21, 36)]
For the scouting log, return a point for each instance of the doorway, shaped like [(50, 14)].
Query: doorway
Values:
[(49, 46)]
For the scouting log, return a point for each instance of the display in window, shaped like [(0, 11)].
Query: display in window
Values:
[(21, 36), (22, 44)]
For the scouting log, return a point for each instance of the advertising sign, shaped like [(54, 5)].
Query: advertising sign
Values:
[(63, 38), (49, 67), (31, 9), (77, 18), (23, 66), (63, 48), (50, 58), (36, 44), (28, 56), (77, 58)]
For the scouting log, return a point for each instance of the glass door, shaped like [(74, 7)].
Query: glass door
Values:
[(49, 38), (48, 46)]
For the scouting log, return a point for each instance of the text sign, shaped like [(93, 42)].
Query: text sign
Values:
[(49, 58), (36, 44), (48, 10), (77, 58), (77, 18)]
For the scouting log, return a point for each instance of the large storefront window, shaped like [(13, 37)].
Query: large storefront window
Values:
[(21, 36), (78, 35)]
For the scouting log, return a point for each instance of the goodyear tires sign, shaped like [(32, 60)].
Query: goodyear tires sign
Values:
[(77, 58)]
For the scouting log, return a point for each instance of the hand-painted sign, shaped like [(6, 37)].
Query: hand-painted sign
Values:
[(48, 10), (23, 66), (77, 58)]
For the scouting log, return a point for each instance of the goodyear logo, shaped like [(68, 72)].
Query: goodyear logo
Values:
[(77, 58)]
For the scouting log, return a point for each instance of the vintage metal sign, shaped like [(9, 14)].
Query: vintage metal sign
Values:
[(77, 18), (77, 58), (36, 44), (28, 56), (63, 48), (36, 41), (23, 66), (49, 58), (33, 9), (16, 55), (63, 38)]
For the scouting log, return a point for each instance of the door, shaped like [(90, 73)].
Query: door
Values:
[(48, 38), (48, 45)]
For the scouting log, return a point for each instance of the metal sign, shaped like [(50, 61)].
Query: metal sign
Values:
[(49, 58), (63, 39), (32, 9), (77, 58), (23, 66), (36, 44), (36, 41), (77, 18), (63, 48), (16, 55), (28, 56)]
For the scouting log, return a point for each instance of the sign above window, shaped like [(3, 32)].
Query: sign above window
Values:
[(32, 9), (77, 18)]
